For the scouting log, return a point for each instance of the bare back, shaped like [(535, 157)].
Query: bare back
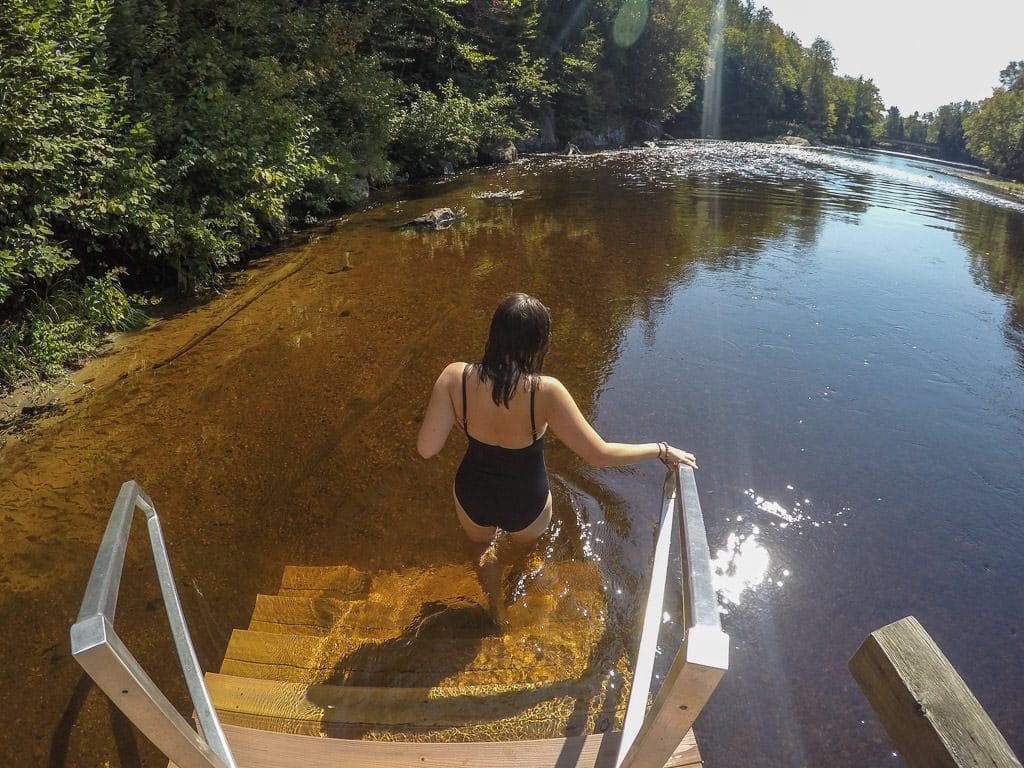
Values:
[(495, 424)]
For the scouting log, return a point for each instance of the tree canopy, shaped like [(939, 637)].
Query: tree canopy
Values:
[(995, 130)]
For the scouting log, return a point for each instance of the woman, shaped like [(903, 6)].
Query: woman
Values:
[(504, 406)]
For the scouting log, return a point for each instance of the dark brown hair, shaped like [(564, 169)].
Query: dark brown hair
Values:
[(516, 345)]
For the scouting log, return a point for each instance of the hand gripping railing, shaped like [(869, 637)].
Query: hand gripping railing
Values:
[(107, 660), (650, 738)]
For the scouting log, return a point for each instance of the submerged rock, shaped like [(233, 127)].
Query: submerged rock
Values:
[(439, 218)]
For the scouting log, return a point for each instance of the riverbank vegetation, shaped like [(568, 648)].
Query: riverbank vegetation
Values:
[(989, 132), (149, 144)]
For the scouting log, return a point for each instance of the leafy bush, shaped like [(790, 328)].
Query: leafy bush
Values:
[(63, 324), (75, 179), (447, 129)]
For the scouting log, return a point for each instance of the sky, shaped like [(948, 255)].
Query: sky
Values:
[(920, 54)]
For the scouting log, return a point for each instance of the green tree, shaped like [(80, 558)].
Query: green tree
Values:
[(1011, 77), (994, 129), (762, 69), (946, 131), (653, 76), (995, 133), (819, 106), (915, 127), (76, 180), (866, 120), (893, 124)]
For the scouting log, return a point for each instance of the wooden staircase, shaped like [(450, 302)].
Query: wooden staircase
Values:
[(414, 658), (408, 669)]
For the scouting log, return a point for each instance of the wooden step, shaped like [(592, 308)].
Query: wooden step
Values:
[(561, 653), (321, 616), (318, 615), (410, 588), (261, 749), (436, 714), (338, 581)]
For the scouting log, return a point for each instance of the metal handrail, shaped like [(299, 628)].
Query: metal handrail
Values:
[(96, 646), (650, 737)]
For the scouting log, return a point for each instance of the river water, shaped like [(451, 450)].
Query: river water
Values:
[(838, 336)]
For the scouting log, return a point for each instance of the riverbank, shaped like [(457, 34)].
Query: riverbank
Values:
[(1011, 189), (973, 173), (30, 399)]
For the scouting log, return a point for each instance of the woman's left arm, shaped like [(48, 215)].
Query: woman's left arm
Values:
[(440, 416)]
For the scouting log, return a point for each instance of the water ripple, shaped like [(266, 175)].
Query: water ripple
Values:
[(880, 179)]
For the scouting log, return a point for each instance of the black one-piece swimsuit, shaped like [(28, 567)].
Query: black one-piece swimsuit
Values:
[(503, 487)]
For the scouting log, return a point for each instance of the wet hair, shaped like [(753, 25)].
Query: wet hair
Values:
[(516, 345)]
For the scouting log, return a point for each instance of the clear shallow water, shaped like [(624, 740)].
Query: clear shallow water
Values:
[(839, 336)]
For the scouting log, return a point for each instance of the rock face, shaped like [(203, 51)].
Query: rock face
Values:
[(499, 151), (360, 189), (793, 141), (614, 137), (544, 140), (439, 218)]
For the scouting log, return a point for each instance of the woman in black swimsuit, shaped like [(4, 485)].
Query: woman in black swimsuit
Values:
[(504, 406)]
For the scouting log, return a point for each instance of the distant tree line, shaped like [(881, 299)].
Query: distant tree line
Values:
[(989, 132), (772, 85), (153, 142)]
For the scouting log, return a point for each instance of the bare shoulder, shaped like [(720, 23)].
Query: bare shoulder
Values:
[(550, 383), (551, 389), (452, 371)]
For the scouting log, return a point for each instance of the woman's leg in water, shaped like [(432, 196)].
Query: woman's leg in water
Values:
[(480, 536), (480, 545)]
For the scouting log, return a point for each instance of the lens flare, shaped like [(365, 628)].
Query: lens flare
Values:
[(630, 22)]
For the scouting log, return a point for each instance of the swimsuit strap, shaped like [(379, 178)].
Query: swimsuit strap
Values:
[(533, 423), (465, 420)]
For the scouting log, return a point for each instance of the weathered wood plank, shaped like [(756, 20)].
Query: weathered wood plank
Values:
[(407, 663), (261, 749), (340, 581), (318, 615), (926, 708), (433, 707), (469, 713)]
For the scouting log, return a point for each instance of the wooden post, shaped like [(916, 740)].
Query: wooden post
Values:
[(924, 705)]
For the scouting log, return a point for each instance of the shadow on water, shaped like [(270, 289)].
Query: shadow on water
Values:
[(441, 644), (125, 735), (436, 621)]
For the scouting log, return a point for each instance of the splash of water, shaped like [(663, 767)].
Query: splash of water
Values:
[(711, 111)]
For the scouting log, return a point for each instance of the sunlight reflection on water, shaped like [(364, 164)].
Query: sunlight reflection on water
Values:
[(744, 564), (739, 567), (890, 181)]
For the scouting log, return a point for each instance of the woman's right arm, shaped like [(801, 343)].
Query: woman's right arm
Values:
[(564, 417), (440, 414)]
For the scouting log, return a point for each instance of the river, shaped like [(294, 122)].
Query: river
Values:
[(837, 335)]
